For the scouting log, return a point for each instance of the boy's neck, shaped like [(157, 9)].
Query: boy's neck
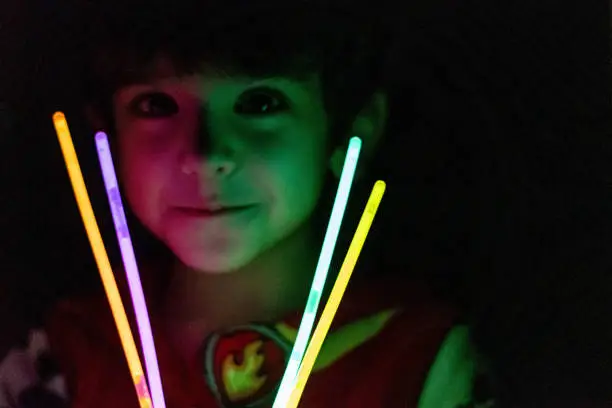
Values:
[(274, 285)]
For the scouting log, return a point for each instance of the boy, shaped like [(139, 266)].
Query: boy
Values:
[(230, 123)]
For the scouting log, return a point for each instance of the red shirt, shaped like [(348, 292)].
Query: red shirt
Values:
[(377, 354)]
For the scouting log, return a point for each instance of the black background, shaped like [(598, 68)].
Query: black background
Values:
[(498, 166)]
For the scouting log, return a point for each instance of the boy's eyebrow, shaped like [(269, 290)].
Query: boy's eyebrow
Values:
[(140, 87), (279, 79), (134, 87), (150, 80), (140, 84)]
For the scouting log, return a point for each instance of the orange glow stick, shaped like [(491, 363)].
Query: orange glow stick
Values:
[(102, 261)]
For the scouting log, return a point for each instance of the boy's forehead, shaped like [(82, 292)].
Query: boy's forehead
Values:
[(162, 67)]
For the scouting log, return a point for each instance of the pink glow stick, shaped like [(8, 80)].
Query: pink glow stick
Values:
[(131, 270)]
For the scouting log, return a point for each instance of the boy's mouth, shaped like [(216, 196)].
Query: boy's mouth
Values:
[(213, 212)]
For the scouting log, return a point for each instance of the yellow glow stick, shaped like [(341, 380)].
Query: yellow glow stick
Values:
[(337, 292), (99, 251)]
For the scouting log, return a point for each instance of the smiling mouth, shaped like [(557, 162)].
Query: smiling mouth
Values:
[(217, 212)]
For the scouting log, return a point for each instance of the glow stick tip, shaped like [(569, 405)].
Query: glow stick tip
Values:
[(100, 135), (380, 184), (59, 116)]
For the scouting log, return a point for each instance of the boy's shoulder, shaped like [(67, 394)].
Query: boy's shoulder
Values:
[(383, 341), (78, 326), (411, 300), (79, 321), (91, 312)]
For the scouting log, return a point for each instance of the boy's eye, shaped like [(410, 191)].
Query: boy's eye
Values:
[(154, 105), (261, 102)]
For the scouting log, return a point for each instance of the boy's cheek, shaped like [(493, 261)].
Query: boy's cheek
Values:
[(143, 185), (301, 188), (150, 140)]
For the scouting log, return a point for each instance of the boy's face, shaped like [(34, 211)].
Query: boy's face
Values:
[(222, 168)]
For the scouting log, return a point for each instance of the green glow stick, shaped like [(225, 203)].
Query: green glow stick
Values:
[(318, 283)]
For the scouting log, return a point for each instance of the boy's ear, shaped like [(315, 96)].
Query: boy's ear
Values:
[(369, 126), (94, 118)]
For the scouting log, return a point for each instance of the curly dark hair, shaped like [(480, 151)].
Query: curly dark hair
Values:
[(345, 44)]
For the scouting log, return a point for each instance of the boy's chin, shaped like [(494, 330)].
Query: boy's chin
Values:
[(213, 264)]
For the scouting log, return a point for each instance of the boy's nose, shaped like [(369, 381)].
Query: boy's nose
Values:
[(209, 166), (212, 158)]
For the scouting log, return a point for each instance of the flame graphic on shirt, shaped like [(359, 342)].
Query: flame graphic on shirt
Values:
[(244, 365), (243, 380)]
